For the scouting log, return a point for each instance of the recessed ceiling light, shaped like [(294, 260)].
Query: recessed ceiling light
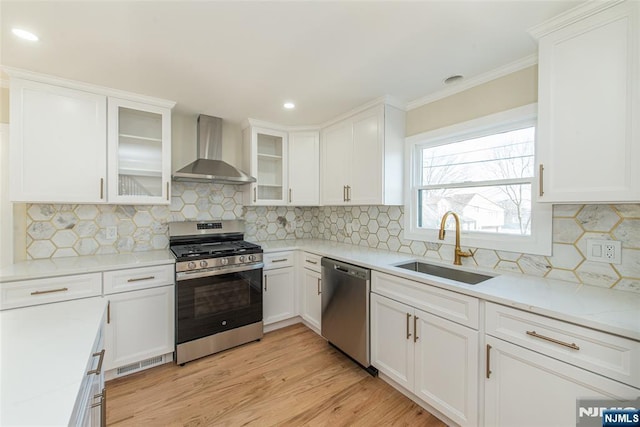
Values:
[(289, 105), (453, 79), (24, 34)]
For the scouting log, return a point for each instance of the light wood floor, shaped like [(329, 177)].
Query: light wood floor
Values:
[(291, 377)]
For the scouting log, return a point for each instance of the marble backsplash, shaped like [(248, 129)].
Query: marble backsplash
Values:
[(72, 230)]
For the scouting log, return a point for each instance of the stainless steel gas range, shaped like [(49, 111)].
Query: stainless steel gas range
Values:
[(218, 287)]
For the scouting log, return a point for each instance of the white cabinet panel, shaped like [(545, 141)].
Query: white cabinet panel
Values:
[(311, 298), (133, 279), (526, 388), (392, 348), (278, 295), (52, 289), (304, 168), (435, 359), (361, 159), (58, 144), (452, 306), (140, 325), (447, 367), (609, 355), (588, 142), (367, 166), (337, 154)]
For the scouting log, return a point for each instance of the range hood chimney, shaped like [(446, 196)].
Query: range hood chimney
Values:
[(209, 167)]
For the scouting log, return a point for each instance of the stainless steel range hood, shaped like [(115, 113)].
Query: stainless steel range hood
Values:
[(209, 167)]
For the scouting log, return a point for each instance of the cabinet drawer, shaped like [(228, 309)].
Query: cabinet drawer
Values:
[(452, 306), (311, 261), (133, 279), (278, 260), (54, 289), (612, 356)]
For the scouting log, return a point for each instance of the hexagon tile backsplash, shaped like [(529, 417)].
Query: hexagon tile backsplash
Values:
[(71, 230)]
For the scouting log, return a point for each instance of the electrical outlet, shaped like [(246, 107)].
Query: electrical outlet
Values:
[(111, 232), (604, 251)]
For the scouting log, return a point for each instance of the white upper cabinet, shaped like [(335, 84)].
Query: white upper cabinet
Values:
[(304, 168), (58, 144), (361, 158), (139, 152), (267, 162), (589, 100), (285, 165), (77, 143)]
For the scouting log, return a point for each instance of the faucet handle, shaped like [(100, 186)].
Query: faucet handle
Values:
[(466, 254)]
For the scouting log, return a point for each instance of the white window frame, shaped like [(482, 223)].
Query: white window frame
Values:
[(540, 240)]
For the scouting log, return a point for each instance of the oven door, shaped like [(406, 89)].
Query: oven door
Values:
[(217, 301)]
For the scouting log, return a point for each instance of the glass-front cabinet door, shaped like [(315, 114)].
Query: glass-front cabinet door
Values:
[(268, 165), (139, 152)]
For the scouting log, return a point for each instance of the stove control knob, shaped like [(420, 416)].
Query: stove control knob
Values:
[(252, 257), (241, 258), (224, 261), (203, 264), (191, 265)]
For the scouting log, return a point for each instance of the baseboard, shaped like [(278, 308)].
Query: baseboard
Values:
[(132, 368), (282, 324)]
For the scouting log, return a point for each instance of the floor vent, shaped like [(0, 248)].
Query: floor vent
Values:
[(138, 366)]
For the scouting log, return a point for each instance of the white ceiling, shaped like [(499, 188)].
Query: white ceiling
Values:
[(240, 59)]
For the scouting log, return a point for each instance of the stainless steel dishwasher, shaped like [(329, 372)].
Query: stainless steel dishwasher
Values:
[(345, 309)]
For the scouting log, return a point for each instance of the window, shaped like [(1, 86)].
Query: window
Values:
[(484, 170)]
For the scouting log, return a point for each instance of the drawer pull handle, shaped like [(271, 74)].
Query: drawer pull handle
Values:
[(488, 370), (265, 283), (319, 281), (99, 368), (311, 262), (534, 334), (415, 328), (408, 333), (280, 260), (139, 279), (108, 312), (541, 177), (50, 291)]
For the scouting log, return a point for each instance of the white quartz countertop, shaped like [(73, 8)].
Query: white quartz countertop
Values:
[(52, 267), (43, 359), (612, 311)]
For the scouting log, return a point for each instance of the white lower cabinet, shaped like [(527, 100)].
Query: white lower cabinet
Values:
[(140, 325), (278, 288), (525, 388), (91, 404), (537, 368), (311, 310), (435, 359)]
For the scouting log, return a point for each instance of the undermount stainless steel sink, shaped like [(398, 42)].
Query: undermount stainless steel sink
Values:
[(445, 272)]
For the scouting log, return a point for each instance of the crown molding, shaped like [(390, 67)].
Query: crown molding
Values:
[(385, 100), (73, 84), (571, 16), (274, 126), (465, 84)]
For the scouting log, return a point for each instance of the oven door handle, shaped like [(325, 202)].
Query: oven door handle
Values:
[(186, 275)]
